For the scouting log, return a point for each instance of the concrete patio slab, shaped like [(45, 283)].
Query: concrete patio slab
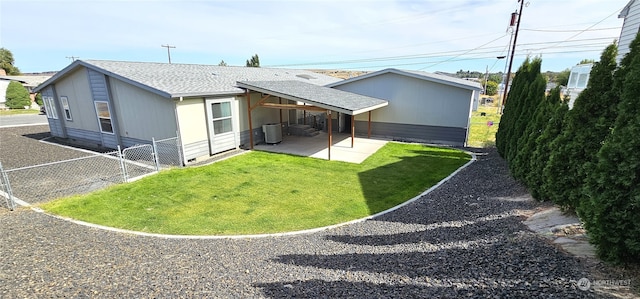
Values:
[(316, 147)]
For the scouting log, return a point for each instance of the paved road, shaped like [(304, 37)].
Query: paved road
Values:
[(22, 120)]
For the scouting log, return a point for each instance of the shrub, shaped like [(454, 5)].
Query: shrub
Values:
[(612, 213), (540, 157), (586, 127), (17, 96)]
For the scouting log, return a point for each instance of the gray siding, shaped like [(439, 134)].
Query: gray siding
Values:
[(55, 125), (196, 149), (98, 86), (629, 29), (100, 92), (127, 141), (258, 137), (431, 134), (84, 135)]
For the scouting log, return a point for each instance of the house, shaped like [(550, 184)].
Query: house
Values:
[(29, 82), (630, 27), (578, 79), (422, 106), (114, 103)]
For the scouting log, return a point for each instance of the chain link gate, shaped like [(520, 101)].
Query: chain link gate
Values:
[(139, 160), (5, 189)]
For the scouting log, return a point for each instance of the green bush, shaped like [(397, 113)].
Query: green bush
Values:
[(612, 213), (39, 99), (17, 96), (552, 127), (587, 125)]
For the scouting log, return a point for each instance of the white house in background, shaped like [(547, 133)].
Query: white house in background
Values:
[(422, 106), (578, 79), (29, 82), (630, 27)]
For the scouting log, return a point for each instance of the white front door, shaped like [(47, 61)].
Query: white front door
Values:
[(223, 125)]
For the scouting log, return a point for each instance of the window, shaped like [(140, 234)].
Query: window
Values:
[(572, 80), (50, 107), (65, 107), (104, 117), (221, 113), (582, 80)]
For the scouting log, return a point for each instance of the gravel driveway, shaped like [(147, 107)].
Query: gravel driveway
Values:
[(465, 239)]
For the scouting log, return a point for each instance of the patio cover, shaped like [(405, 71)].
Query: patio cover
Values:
[(319, 98)]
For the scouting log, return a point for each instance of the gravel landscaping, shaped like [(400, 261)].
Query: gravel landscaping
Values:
[(465, 239)]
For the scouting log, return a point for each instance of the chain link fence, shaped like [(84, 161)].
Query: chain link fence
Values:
[(48, 181)]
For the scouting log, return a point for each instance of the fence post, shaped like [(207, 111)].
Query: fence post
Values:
[(4, 180), (155, 153), (124, 169)]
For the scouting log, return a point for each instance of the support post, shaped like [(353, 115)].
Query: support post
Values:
[(248, 96), (329, 129), (369, 126), (155, 153), (353, 129)]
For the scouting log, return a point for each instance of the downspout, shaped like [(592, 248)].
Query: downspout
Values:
[(178, 134)]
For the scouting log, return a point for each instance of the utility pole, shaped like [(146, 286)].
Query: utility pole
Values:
[(486, 76), (169, 47), (73, 58), (513, 50)]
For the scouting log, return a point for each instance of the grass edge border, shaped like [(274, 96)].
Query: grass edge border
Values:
[(257, 236)]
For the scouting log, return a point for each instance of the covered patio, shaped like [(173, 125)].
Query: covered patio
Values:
[(316, 147), (321, 99)]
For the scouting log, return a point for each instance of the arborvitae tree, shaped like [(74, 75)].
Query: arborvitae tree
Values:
[(540, 157), (586, 126), (611, 215), (17, 96), (254, 61), (529, 100), (526, 143), (511, 110)]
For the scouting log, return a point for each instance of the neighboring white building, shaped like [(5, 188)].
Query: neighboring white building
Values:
[(630, 27), (578, 79)]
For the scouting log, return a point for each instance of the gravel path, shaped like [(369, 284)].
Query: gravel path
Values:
[(465, 239)]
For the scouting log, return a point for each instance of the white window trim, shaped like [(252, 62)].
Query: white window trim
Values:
[(50, 107), (95, 105), (213, 120), (65, 106)]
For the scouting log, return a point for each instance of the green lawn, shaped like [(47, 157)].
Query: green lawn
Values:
[(19, 111), (261, 192), (480, 134)]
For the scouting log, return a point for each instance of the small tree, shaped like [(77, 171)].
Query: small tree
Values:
[(17, 96), (540, 156), (492, 88), (611, 215), (586, 127), (254, 61), (39, 99), (222, 63), (7, 61), (562, 78)]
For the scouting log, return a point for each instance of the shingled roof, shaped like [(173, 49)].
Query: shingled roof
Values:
[(320, 96), (183, 80)]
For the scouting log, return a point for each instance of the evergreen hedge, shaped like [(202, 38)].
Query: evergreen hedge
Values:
[(612, 212)]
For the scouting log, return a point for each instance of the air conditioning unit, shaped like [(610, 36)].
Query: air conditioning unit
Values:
[(272, 133)]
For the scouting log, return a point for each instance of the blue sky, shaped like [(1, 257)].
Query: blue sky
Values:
[(424, 35)]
